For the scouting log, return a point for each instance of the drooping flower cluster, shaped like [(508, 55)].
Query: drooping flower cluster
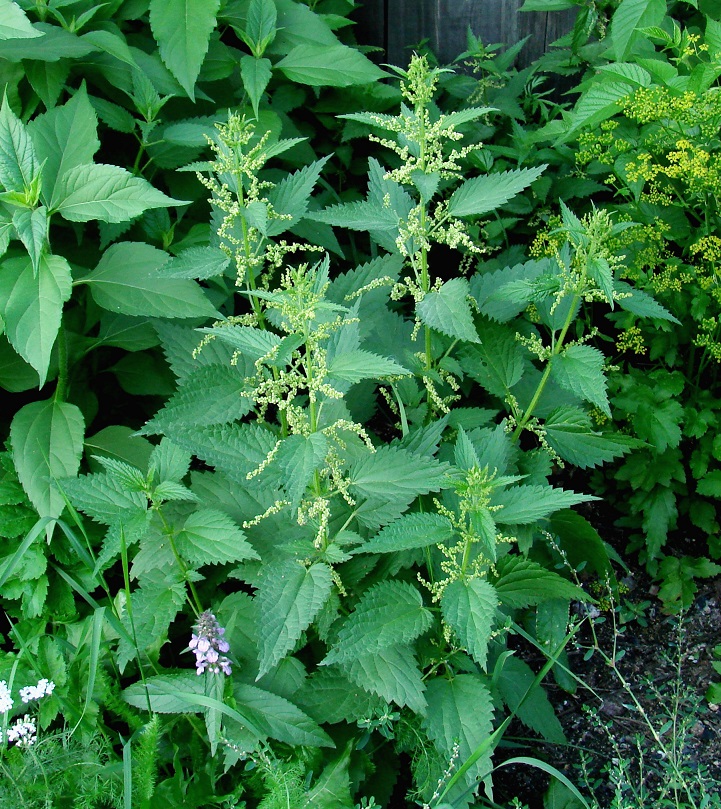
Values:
[(209, 646)]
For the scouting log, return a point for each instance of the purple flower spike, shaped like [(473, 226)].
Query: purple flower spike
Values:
[(207, 643)]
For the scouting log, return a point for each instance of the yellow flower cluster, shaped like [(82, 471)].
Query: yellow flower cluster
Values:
[(698, 168), (649, 104), (631, 339)]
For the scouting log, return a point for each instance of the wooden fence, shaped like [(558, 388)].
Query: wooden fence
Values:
[(397, 25)]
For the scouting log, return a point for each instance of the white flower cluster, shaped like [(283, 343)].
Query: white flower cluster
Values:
[(24, 732)]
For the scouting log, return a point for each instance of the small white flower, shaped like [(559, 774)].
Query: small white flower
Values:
[(33, 692), (6, 702), (23, 732)]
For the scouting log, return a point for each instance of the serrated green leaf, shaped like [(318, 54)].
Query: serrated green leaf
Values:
[(31, 227), (252, 343), (261, 22), (291, 196), (392, 673), (329, 65), (33, 306), (111, 43), (255, 74), (127, 280), (447, 310), (209, 537), (55, 43), (569, 433), (113, 115), (388, 614), (182, 29), (582, 543), (601, 101), (469, 608), (522, 583), (497, 361), (329, 696), (64, 137), (579, 369), (536, 712), (481, 195), (641, 303), (356, 365), (408, 532), (211, 395), (47, 443), (13, 22), (298, 457), (460, 713), (630, 16), (366, 216), (106, 193), (289, 598), (162, 689), (19, 164), (104, 498), (196, 262)]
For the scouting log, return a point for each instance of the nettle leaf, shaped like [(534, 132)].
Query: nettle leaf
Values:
[(33, 306), (497, 363), (329, 696), (13, 22), (569, 433), (250, 342), (291, 195), (332, 789), (469, 608), (447, 310), (388, 614), (484, 194), (104, 498), (47, 444), (460, 713), (523, 505), (64, 137), (255, 74), (579, 369), (211, 395), (209, 537), (536, 712), (298, 457), (289, 598), (279, 718), (31, 227), (105, 193), (366, 216), (182, 29), (641, 303), (329, 66), (395, 474), (19, 164), (522, 583), (356, 365), (408, 532), (392, 673), (196, 262), (127, 280)]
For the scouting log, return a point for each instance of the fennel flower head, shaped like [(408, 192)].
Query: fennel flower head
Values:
[(209, 645)]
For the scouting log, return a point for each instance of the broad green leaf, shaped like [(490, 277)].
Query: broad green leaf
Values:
[(366, 216), (497, 362), (260, 26), (116, 117), (252, 343), (329, 696), (459, 719), (118, 442), (289, 598), (484, 194), (298, 457), (388, 614), (47, 443), (408, 532), (447, 310), (569, 433), (33, 306), (627, 71), (162, 689), (536, 712), (523, 505), (106, 193), (279, 718), (209, 537), (390, 473), (19, 164), (329, 65), (356, 365), (31, 226), (599, 102), (104, 498), (64, 137), (630, 16), (111, 43), (522, 583), (641, 303), (332, 789), (255, 74), (13, 22), (579, 368), (182, 29), (469, 608), (392, 673), (127, 280), (211, 395), (55, 43), (196, 262), (292, 195)]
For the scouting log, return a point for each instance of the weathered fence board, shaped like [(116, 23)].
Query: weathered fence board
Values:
[(398, 25)]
